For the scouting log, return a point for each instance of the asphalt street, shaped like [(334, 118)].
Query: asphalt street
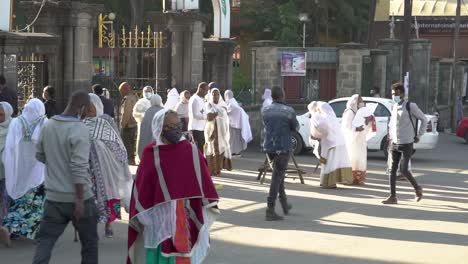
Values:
[(347, 225)]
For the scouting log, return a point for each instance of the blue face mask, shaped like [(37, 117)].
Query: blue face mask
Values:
[(396, 98), (148, 95)]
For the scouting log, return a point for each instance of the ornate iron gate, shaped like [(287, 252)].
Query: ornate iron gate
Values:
[(31, 77)]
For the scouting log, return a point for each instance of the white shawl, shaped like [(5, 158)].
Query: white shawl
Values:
[(172, 99), (23, 172), (267, 99), (221, 123), (238, 118)]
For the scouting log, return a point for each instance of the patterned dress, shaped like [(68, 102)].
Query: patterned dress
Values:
[(24, 214)]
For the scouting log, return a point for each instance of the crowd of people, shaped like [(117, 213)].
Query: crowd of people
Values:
[(340, 148), (73, 166)]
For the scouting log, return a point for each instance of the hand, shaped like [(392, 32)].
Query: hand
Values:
[(359, 129), (416, 140), (314, 138), (79, 209), (212, 116)]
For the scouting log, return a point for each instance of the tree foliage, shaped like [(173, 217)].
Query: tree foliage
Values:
[(340, 19)]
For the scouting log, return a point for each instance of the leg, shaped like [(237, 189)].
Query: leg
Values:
[(52, 226), (87, 229), (280, 164), (407, 152), (132, 144), (396, 155), (126, 138)]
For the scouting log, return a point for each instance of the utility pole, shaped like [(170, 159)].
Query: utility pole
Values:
[(407, 37), (453, 90)]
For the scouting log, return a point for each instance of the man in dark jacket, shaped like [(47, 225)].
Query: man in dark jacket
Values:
[(108, 104), (279, 121), (49, 101), (8, 95)]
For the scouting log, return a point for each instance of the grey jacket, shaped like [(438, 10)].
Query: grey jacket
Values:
[(64, 148), (401, 130)]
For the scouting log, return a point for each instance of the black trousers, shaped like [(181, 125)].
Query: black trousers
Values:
[(54, 221), (401, 155), (199, 138), (280, 165)]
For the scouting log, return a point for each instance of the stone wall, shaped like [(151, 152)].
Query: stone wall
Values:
[(420, 61), (379, 62), (349, 76), (266, 72), (394, 47), (433, 84)]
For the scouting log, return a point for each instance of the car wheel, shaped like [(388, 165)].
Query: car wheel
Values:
[(466, 136), (297, 143)]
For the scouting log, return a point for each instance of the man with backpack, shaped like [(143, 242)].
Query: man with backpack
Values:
[(403, 133)]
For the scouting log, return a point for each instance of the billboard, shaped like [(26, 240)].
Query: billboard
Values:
[(5, 15), (222, 19), (293, 64)]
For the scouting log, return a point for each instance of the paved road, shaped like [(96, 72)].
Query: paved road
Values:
[(348, 225)]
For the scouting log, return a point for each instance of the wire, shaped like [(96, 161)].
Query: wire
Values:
[(37, 16)]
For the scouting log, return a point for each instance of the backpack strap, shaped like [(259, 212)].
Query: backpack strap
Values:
[(415, 127)]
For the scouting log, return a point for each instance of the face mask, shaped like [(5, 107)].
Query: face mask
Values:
[(148, 95), (396, 98), (173, 135), (361, 105)]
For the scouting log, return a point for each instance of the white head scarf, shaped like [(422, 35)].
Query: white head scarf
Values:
[(96, 101), (33, 110), (158, 124), (23, 172), (182, 98), (334, 133), (172, 99), (221, 124), (353, 103), (156, 100), (312, 106), (6, 107), (267, 99), (212, 104)]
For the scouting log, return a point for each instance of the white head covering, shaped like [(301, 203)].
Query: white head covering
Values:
[(96, 101), (23, 172), (172, 99), (182, 98), (334, 133), (212, 104), (312, 106), (157, 125), (156, 100), (148, 87), (238, 118), (221, 124), (353, 103), (33, 110), (6, 107), (267, 99)]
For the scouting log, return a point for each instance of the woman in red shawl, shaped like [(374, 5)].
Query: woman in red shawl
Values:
[(174, 203)]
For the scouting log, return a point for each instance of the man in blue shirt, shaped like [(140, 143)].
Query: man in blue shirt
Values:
[(279, 121)]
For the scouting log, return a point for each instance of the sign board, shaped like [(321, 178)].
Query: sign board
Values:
[(5, 15), (441, 27), (222, 19), (187, 5), (293, 64)]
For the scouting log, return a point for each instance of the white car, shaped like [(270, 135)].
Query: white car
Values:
[(382, 114)]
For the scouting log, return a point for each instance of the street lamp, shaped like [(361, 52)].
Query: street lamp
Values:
[(304, 18)]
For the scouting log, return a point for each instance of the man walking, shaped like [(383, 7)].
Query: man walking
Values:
[(403, 133), (64, 148), (107, 103), (128, 124), (198, 115), (279, 120), (8, 95)]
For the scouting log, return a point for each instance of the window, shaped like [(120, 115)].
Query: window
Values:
[(381, 110), (339, 108)]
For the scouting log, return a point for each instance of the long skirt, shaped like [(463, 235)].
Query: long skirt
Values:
[(218, 161), (337, 168), (4, 201), (236, 141), (25, 213)]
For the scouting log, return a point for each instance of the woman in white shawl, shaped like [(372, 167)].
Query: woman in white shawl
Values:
[(172, 99), (141, 107), (24, 175), (331, 151), (217, 147), (108, 165), (267, 99), (183, 110), (5, 118), (356, 138), (239, 127)]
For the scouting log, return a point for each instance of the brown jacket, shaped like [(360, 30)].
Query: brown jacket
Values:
[(126, 111)]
